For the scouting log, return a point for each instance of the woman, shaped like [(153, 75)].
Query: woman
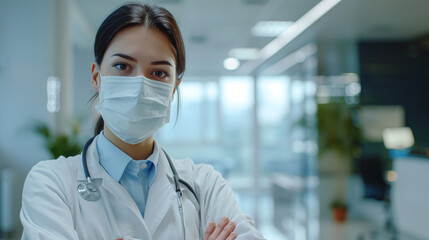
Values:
[(123, 186)]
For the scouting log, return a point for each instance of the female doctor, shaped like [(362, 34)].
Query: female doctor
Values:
[(123, 185)]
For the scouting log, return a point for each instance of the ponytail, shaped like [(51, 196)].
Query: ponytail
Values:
[(99, 126)]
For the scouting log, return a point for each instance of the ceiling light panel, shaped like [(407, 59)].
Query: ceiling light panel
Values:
[(231, 63), (244, 53), (270, 28)]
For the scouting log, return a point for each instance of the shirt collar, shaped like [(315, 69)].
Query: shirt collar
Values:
[(115, 161)]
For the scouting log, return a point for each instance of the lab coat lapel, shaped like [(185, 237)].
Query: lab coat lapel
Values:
[(114, 189), (110, 184), (161, 195)]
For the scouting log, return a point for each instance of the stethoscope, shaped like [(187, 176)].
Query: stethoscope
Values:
[(89, 191)]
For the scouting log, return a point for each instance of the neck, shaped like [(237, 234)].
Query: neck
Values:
[(139, 151)]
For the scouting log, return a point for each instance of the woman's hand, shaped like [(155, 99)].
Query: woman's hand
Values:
[(223, 231)]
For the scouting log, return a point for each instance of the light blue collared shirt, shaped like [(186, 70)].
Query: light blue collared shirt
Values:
[(134, 175)]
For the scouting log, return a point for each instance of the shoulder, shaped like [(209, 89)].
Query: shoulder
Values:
[(60, 165), (57, 171), (203, 177), (188, 169)]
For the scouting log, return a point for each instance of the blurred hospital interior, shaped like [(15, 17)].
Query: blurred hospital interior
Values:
[(316, 112)]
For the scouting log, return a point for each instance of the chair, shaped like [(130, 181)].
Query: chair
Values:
[(372, 173), (375, 187)]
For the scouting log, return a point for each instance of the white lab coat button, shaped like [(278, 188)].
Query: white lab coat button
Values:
[(143, 166)]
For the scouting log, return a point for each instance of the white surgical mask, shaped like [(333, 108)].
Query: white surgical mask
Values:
[(134, 107)]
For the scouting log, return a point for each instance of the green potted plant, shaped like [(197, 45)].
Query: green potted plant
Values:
[(339, 142), (339, 211), (60, 144)]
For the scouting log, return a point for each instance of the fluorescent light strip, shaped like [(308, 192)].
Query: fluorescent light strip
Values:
[(291, 60), (308, 19), (82, 20), (244, 53), (270, 28)]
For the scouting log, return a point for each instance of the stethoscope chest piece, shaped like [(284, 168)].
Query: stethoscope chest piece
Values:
[(88, 189)]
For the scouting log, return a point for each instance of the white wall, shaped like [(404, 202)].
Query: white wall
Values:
[(410, 196), (82, 89), (25, 64), (36, 41)]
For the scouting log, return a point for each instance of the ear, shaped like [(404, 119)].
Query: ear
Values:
[(95, 81), (177, 84)]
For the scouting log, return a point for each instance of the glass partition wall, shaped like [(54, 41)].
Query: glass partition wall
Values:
[(255, 131)]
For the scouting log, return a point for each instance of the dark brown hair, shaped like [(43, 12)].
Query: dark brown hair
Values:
[(135, 14)]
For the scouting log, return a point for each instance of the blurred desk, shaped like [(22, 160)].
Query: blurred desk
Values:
[(410, 196)]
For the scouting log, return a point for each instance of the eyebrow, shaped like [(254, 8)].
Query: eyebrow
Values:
[(135, 60), (125, 56), (161, 63)]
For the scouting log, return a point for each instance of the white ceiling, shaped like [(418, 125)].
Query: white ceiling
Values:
[(211, 28)]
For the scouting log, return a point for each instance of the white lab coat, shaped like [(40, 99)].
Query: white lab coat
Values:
[(53, 209)]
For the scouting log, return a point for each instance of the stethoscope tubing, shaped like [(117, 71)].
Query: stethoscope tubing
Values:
[(84, 162), (177, 181)]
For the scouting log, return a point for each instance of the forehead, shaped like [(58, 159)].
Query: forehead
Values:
[(142, 43)]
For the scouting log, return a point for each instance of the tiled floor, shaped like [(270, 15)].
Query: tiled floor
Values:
[(299, 227), (357, 230)]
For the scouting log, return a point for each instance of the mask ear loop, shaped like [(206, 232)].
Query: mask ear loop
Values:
[(99, 74), (175, 89), (98, 92), (99, 82), (178, 101)]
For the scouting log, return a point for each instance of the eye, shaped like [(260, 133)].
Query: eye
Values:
[(160, 74), (121, 66)]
